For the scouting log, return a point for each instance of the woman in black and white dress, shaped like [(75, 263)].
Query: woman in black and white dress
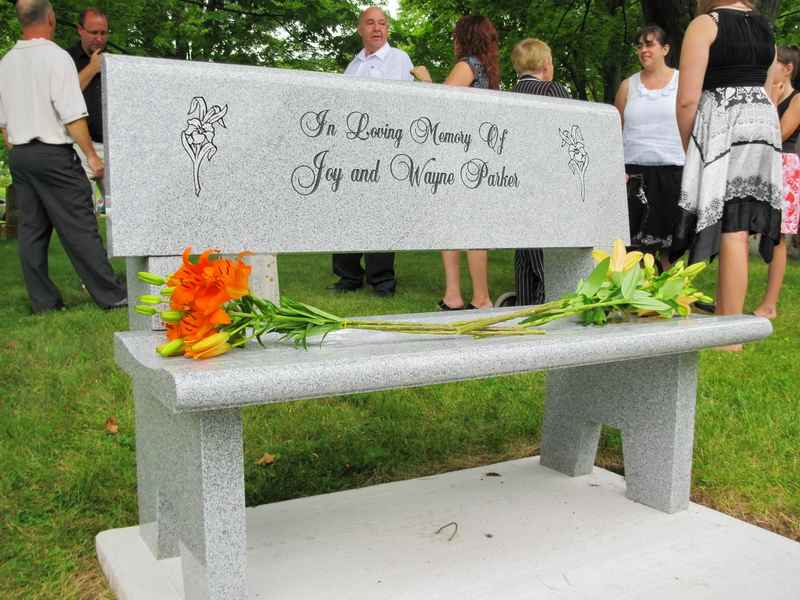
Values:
[(732, 177)]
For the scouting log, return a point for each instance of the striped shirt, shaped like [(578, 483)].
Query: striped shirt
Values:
[(528, 84), (529, 262)]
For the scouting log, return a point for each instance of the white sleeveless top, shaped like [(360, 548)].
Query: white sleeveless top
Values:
[(650, 136)]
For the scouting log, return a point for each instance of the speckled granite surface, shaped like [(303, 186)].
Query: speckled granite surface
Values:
[(303, 157)]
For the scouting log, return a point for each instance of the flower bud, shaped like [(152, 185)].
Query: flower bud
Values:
[(649, 261), (213, 340), (171, 348), (694, 269), (150, 299), (172, 316), (167, 292), (211, 352), (151, 279), (677, 268), (148, 311)]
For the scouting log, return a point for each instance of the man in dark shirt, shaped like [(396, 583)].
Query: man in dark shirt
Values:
[(93, 30)]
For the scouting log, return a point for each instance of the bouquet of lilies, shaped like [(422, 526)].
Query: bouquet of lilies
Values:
[(211, 310)]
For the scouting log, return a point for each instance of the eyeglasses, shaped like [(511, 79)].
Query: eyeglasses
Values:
[(647, 44), (100, 32)]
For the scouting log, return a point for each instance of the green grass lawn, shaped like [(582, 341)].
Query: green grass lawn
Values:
[(68, 446)]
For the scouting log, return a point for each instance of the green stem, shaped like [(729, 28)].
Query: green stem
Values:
[(471, 325), (492, 331)]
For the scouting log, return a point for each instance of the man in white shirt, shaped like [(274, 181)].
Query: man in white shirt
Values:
[(377, 59), (42, 112)]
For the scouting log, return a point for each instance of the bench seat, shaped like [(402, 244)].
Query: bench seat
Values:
[(355, 361), (639, 376)]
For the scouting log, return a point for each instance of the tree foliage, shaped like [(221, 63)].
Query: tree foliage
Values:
[(590, 39), (317, 35)]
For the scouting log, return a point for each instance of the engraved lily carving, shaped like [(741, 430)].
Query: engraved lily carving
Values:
[(578, 158), (198, 137)]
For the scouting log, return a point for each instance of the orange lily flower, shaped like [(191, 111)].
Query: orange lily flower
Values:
[(193, 327)]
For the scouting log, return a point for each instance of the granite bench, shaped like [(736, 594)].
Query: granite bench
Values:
[(309, 162)]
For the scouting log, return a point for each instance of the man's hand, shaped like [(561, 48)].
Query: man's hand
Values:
[(94, 61), (80, 133), (97, 167), (89, 71)]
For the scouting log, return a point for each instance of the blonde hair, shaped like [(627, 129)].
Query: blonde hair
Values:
[(529, 55), (704, 6)]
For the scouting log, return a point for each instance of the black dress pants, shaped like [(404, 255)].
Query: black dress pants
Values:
[(529, 274), (378, 270), (53, 193)]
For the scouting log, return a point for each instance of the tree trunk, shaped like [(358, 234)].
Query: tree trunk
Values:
[(770, 9), (673, 16)]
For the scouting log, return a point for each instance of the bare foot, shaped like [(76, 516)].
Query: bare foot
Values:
[(735, 348), (765, 312)]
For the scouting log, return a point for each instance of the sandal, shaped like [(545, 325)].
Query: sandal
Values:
[(444, 306)]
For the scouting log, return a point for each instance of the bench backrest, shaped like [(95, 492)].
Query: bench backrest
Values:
[(271, 160)]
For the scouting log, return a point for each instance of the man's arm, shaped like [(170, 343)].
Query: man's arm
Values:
[(79, 131), (5, 137), (89, 71)]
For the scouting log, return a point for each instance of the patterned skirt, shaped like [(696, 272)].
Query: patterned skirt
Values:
[(791, 193), (653, 193), (732, 179)]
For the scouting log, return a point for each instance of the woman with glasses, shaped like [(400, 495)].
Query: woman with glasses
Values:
[(652, 146)]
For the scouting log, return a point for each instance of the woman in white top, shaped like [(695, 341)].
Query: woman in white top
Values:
[(652, 146)]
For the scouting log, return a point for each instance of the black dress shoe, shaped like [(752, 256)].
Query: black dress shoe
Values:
[(341, 287), (121, 304), (709, 307), (382, 293)]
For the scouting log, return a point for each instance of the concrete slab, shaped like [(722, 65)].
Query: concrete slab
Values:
[(512, 530)]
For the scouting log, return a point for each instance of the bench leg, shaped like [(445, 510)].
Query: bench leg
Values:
[(191, 495), (650, 400)]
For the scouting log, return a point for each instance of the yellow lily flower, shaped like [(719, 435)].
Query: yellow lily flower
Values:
[(620, 260), (685, 303), (213, 345)]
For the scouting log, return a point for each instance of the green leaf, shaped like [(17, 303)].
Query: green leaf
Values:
[(650, 304), (590, 287), (323, 314), (631, 282), (671, 289)]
